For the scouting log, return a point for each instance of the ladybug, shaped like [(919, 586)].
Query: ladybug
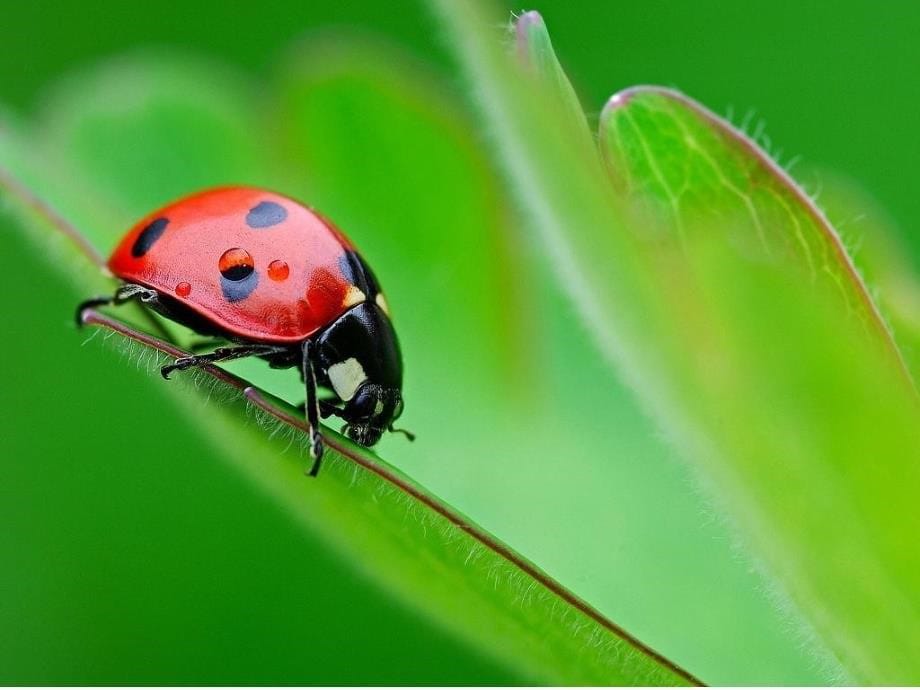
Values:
[(280, 282)]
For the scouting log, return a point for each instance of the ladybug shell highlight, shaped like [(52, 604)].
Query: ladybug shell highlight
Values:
[(259, 265)]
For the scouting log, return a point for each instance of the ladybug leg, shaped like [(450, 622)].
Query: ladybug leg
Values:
[(130, 291), (312, 410), (91, 304), (327, 409), (125, 293), (221, 354)]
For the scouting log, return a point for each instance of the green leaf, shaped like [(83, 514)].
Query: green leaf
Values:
[(418, 548), (881, 257), (740, 322), (669, 151)]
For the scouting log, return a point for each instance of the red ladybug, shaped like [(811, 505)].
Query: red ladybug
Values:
[(263, 271)]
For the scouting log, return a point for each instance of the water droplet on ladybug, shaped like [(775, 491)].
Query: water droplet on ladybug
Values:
[(236, 264), (183, 289), (278, 270)]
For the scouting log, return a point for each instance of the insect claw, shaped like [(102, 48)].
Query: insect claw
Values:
[(89, 304), (316, 451)]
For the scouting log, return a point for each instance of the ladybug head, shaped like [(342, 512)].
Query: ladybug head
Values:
[(371, 411)]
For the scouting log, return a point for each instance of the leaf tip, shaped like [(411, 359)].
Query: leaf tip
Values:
[(529, 28), (530, 19), (623, 98)]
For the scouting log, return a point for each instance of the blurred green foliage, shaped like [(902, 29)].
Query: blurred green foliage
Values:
[(158, 565)]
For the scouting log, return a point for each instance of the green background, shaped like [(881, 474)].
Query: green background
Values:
[(186, 574)]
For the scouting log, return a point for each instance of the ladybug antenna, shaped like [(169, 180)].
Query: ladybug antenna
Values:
[(409, 434)]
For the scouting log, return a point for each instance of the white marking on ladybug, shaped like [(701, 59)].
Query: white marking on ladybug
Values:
[(346, 377), (378, 407), (382, 303), (353, 296)]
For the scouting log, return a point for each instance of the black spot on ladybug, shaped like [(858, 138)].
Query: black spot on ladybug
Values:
[(358, 273), (265, 215), (239, 289), (148, 237)]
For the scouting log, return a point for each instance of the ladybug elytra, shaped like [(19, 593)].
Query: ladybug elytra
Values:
[(278, 280)]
